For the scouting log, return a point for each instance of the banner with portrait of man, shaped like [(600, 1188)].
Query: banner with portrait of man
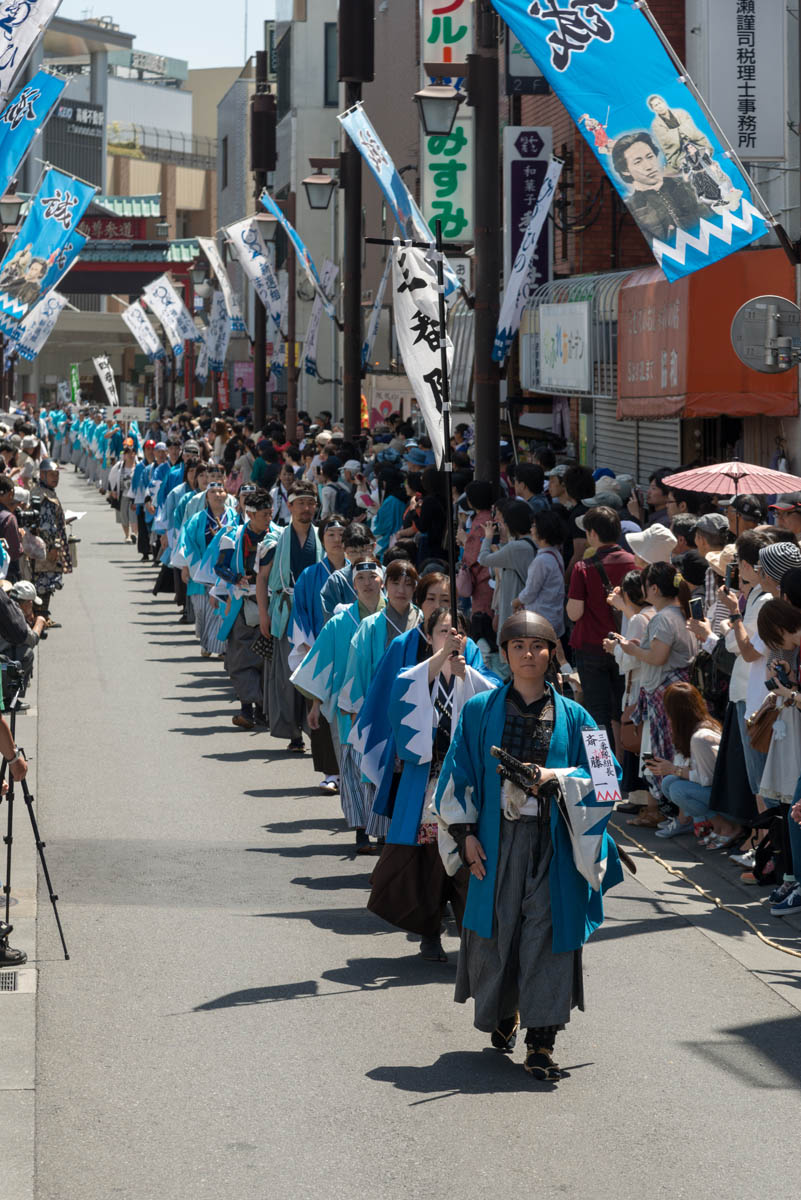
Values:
[(680, 181)]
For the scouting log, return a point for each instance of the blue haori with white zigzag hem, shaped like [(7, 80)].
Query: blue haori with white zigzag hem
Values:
[(681, 184)]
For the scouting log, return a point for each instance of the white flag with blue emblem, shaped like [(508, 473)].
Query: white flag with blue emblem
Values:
[(136, 319), (39, 324), (165, 303), (209, 248), (22, 23)]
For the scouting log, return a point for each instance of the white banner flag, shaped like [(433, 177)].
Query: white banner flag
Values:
[(103, 368), (165, 303), (517, 288), (416, 302), (39, 324), (375, 315), (232, 307), (22, 24), (327, 280), (218, 333), (253, 255), (202, 362), (148, 340)]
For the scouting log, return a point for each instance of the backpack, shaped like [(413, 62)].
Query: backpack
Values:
[(344, 502)]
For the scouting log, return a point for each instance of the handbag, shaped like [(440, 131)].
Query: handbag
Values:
[(760, 726), (464, 582), (630, 734)]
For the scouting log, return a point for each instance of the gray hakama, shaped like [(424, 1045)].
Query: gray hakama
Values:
[(355, 794), (207, 623), (244, 667), (517, 969), (280, 698)]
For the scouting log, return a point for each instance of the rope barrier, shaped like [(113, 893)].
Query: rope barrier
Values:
[(703, 892)]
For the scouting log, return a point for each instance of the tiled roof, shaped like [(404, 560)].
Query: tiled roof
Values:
[(184, 250), (130, 206)]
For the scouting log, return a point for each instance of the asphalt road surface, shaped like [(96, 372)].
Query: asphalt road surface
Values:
[(234, 1024)]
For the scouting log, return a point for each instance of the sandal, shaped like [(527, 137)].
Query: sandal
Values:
[(541, 1065), (431, 950), (296, 747), (504, 1035), (650, 819)]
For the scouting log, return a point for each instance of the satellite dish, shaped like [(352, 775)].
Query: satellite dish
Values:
[(766, 334)]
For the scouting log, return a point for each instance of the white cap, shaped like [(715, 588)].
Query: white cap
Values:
[(654, 544), (23, 590)]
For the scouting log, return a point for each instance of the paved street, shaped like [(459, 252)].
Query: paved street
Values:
[(211, 903)]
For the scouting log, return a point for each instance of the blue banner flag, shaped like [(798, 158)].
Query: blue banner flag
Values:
[(608, 66), (410, 220), (304, 258), (22, 118), (33, 255)]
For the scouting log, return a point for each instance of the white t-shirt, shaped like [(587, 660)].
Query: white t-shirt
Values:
[(741, 671)]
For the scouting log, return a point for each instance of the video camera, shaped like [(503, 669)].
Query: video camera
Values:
[(30, 518)]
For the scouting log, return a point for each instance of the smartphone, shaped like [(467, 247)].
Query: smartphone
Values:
[(732, 576), (697, 608)]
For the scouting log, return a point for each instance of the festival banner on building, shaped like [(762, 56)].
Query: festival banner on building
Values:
[(676, 175), (410, 220), (23, 117), (38, 325), (106, 374), (328, 279), (218, 333), (416, 302), (202, 361), (517, 289), (303, 256), (375, 315), (232, 307), (22, 23), (165, 303), (137, 321), (51, 222), (254, 257)]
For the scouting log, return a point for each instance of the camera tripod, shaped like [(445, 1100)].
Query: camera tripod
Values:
[(5, 927)]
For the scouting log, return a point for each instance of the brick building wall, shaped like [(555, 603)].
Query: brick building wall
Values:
[(602, 235)]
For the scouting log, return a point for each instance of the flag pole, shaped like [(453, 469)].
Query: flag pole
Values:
[(446, 424)]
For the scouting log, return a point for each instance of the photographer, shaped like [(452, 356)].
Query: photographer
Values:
[(52, 529), (9, 528)]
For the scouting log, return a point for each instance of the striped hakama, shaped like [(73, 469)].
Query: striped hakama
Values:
[(207, 623)]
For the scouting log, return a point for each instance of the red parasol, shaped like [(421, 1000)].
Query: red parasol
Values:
[(734, 478)]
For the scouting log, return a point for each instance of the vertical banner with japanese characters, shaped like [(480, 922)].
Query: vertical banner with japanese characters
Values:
[(106, 375), (209, 248), (165, 303), (51, 222), (249, 247), (22, 118), (299, 246), (75, 382), (39, 324), (328, 279), (416, 309), (747, 70), (447, 172), (218, 333), (21, 25), (679, 180)]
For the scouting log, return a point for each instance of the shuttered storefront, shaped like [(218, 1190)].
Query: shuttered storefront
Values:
[(635, 448)]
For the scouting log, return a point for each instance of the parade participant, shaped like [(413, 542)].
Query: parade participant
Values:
[(389, 518), (529, 907), (49, 572), (410, 886), (143, 473), (357, 539), (296, 548), (305, 625), (237, 567), (198, 557), (323, 678), (120, 479)]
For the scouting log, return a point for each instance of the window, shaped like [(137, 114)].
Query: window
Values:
[(224, 163), (284, 74), (331, 96)]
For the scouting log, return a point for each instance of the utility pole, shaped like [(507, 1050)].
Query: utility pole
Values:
[(483, 96), (262, 160), (291, 414), (356, 37)]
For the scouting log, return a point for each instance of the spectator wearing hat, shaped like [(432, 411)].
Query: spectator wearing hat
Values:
[(591, 582), (712, 533), (744, 512), (554, 482), (19, 637), (416, 459), (656, 544), (787, 510), (775, 561)]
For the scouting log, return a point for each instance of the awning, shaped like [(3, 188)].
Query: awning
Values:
[(674, 340)]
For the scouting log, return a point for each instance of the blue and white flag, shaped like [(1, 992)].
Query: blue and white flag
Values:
[(33, 255), (304, 258), (106, 375), (375, 315), (218, 333), (38, 325), (165, 303), (64, 261), (606, 63), (22, 118), (22, 23), (137, 321), (251, 251), (410, 220), (330, 272), (518, 288), (202, 361), (209, 248)]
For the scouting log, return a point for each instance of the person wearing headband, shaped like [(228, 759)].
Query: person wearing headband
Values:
[(296, 548), (322, 678), (236, 572), (212, 512), (536, 888), (305, 624)]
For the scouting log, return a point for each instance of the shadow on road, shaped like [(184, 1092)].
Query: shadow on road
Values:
[(333, 883), (335, 824), (463, 1073), (349, 922), (743, 1050)]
